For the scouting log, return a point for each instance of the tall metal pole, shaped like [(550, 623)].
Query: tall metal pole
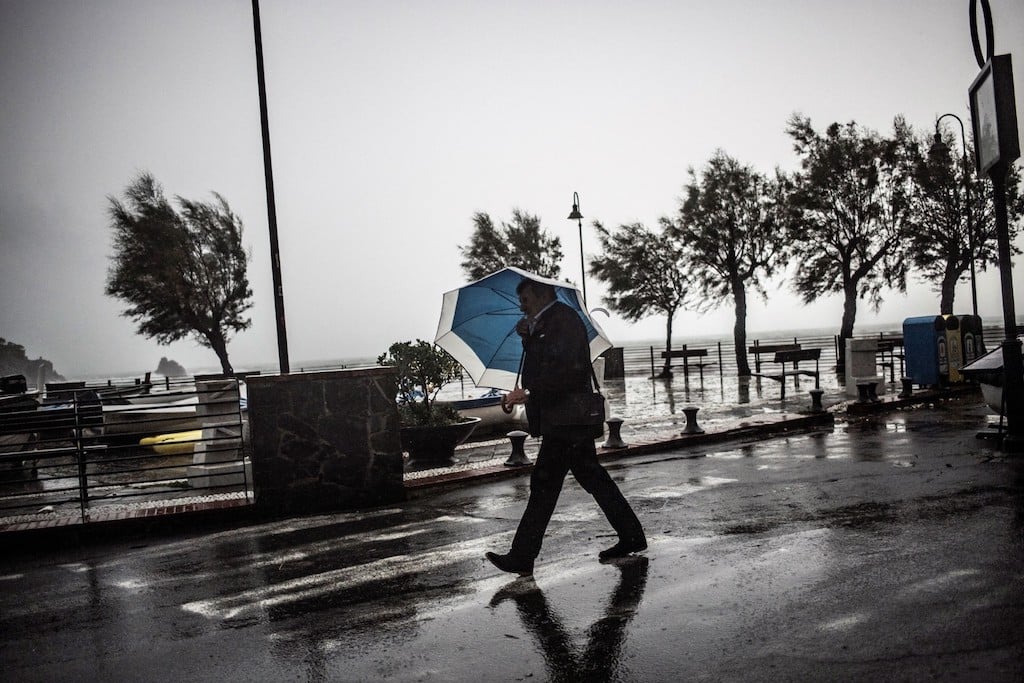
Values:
[(583, 267), (275, 254), (1013, 372)]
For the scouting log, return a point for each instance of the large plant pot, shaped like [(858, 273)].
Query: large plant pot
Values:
[(435, 445)]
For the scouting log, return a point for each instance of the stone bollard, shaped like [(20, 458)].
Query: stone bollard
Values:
[(816, 406), (691, 420), (518, 456), (614, 436), (908, 387)]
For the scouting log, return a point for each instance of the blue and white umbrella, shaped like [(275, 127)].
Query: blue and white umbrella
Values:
[(478, 325)]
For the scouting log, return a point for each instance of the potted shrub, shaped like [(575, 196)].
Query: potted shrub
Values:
[(430, 432)]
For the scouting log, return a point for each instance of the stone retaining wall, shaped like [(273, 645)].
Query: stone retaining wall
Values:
[(325, 441)]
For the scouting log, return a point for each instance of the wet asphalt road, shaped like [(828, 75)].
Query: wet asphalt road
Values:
[(889, 548)]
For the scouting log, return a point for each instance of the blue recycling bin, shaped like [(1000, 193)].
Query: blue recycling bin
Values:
[(925, 345)]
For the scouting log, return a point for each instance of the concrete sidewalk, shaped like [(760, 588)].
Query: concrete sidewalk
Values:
[(887, 547)]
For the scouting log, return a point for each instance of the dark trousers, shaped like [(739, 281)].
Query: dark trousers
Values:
[(556, 457)]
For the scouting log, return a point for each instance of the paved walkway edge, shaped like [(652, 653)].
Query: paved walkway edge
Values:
[(761, 426)]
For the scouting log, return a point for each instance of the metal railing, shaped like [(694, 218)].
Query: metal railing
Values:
[(637, 358), (75, 451)]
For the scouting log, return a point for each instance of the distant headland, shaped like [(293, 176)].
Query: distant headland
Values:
[(13, 361)]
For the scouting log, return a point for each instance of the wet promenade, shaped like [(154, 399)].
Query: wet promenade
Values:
[(886, 547)]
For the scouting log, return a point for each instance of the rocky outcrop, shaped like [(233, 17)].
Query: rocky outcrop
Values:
[(170, 368)]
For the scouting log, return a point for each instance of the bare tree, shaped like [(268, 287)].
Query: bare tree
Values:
[(642, 269), (852, 205), (523, 243), (730, 222), (182, 272), (945, 229)]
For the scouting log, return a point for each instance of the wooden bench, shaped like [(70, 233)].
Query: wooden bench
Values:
[(759, 349), (888, 355), (686, 354), (794, 356)]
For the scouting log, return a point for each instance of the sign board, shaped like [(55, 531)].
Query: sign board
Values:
[(994, 116)]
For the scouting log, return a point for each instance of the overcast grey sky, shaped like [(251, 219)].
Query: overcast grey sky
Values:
[(393, 122)]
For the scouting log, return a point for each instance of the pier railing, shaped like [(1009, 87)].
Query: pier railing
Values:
[(81, 452), (721, 356)]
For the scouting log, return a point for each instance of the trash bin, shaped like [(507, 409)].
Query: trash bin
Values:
[(954, 348), (862, 365), (614, 366), (973, 338), (924, 343)]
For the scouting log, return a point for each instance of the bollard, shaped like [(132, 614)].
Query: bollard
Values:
[(614, 438), (518, 456), (816, 406), (862, 392), (691, 421), (908, 387), (873, 392)]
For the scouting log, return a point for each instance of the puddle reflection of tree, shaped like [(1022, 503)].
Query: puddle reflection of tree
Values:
[(603, 654)]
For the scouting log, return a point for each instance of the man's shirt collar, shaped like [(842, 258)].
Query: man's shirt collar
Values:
[(533, 323)]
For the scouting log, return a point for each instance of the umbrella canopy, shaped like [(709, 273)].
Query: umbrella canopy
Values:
[(478, 325)]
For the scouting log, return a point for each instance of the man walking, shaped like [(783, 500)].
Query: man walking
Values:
[(556, 363)]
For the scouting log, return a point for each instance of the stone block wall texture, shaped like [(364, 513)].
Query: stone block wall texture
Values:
[(325, 440)]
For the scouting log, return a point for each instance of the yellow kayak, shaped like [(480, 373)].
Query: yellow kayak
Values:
[(177, 443)]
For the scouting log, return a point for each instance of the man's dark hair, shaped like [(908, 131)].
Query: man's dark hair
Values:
[(541, 289)]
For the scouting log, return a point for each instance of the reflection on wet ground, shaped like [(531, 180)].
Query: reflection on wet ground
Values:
[(565, 658)]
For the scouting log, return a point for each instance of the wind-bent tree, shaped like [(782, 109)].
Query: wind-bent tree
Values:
[(940, 243), (643, 272), (731, 223), (182, 272), (852, 203), (523, 243)]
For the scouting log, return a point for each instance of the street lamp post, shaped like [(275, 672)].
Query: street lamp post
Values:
[(939, 147), (996, 147), (275, 254), (575, 215)]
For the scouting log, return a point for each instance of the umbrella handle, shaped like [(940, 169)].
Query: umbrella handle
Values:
[(505, 407)]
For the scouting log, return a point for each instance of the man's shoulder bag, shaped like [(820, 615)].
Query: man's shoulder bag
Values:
[(578, 409)]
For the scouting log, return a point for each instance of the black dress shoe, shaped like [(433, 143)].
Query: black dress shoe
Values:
[(623, 548), (507, 563)]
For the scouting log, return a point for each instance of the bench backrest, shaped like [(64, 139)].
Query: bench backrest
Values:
[(797, 355), (685, 353), (773, 348)]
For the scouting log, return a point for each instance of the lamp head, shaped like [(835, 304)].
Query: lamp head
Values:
[(939, 149), (575, 214)]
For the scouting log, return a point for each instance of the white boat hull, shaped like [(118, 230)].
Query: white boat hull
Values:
[(493, 420)]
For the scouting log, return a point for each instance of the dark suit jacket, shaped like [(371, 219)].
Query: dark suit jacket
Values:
[(556, 362)]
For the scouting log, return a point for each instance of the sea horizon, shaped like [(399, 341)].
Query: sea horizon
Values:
[(354, 361)]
